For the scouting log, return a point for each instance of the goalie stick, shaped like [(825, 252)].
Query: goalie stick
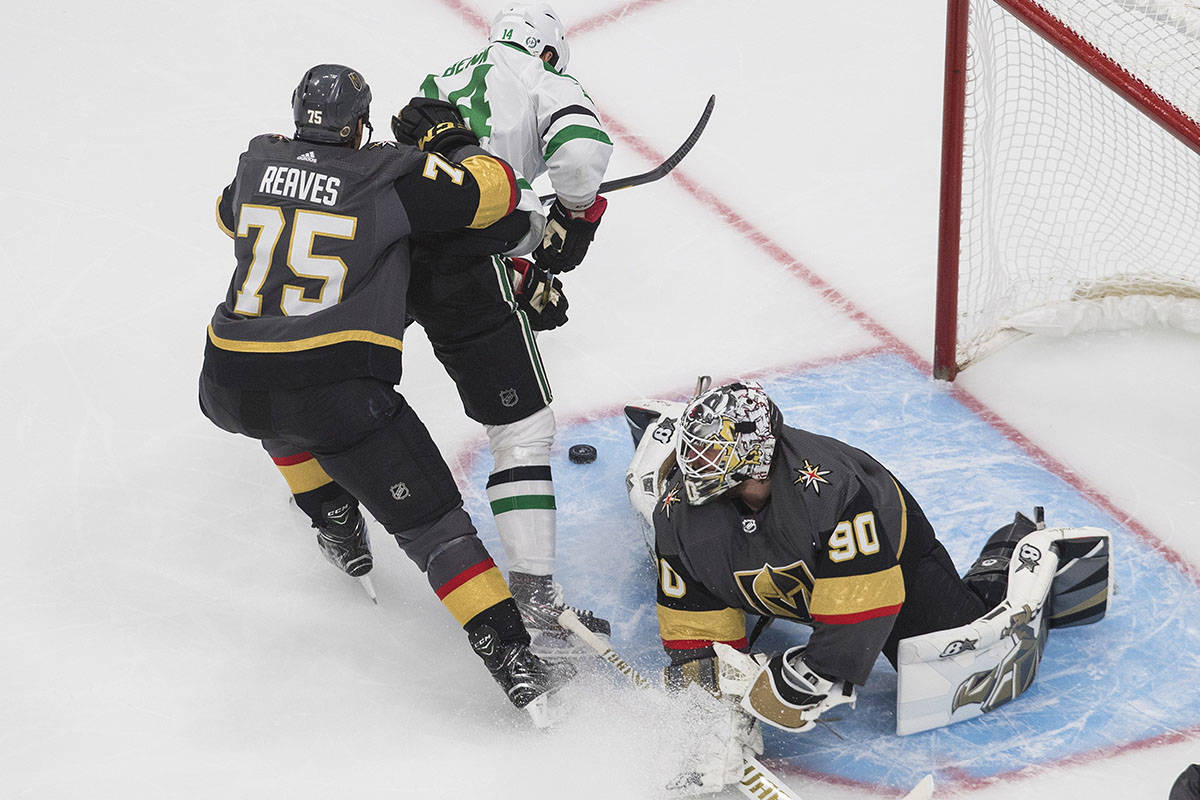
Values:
[(662, 169), (758, 782)]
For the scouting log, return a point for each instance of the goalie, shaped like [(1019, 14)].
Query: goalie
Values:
[(750, 515)]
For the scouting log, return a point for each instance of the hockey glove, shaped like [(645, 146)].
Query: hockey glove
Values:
[(568, 234), (538, 294), (432, 126), (788, 695)]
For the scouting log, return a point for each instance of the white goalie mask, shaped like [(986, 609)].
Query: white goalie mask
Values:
[(727, 436), (533, 27)]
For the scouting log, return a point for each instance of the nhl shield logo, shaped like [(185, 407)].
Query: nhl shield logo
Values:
[(749, 525), (400, 491), (508, 398)]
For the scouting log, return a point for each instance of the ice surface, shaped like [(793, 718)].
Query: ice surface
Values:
[(169, 627)]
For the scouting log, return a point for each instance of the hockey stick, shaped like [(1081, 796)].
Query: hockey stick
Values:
[(758, 782), (662, 169)]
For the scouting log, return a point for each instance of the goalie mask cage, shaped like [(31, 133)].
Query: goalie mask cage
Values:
[(1070, 171)]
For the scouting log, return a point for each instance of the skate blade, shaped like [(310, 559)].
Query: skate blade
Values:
[(368, 587), (545, 710)]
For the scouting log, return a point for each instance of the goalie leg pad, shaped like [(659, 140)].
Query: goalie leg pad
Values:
[(1082, 588), (988, 576)]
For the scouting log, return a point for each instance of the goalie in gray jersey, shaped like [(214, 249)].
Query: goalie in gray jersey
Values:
[(752, 516)]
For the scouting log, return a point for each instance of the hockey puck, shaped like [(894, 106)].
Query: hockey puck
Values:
[(581, 454)]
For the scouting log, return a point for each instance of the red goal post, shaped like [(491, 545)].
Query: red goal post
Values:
[(1049, 178)]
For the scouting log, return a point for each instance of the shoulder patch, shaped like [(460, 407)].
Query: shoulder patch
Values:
[(811, 476)]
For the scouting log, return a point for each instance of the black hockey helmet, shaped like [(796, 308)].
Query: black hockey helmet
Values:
[(328, 104)]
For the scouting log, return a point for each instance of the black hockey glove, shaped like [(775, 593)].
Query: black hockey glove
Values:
[(432, 126), (568, 234), (538, 294)]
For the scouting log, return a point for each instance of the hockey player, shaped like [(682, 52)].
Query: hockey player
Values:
[(516, 96), (755, 516), (304, 351), (480, 312)]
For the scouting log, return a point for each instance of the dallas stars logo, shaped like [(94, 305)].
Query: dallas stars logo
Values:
[(669, 499), (811, 475)]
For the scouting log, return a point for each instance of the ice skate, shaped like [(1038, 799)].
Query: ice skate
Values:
[(342, 537), (527, 680), (540, 601)]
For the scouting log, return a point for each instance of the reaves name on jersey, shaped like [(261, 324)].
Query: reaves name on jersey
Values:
[(300, 184)]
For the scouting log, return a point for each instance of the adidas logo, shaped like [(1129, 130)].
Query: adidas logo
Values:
[(309, 156)]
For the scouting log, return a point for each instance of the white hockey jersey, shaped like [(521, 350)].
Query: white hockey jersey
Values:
[(534, 118)]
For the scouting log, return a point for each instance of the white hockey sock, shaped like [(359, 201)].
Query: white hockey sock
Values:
[(521, 492)]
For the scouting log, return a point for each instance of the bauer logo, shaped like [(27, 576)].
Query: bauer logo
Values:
[(1030, 557), (400, 492), (959, 646), (664, 430)]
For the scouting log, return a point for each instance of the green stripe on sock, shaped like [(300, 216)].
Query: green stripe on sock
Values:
[(524, 502)]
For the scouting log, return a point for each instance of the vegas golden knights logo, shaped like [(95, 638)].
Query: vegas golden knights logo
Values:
[(778, 591)]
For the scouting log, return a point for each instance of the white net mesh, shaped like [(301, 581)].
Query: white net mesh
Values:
[(1072, 196)]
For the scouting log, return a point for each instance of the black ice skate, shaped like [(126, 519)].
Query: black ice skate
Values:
[(342, 536), (540, 601), (525, 678)]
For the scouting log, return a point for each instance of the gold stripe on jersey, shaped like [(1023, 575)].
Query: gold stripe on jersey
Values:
[(726, 625), (311, 343), (496, 189), (221, 222), (903, 519), (304, 476), (854, 598)]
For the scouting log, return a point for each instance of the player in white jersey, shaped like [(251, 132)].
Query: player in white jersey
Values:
[(515, 94)]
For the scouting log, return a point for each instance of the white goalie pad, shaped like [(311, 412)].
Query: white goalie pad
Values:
[(652, 460), (957, 674)]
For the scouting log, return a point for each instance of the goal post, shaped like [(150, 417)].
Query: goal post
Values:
[(1070, 196)]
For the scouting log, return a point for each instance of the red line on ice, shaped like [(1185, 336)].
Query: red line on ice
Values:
[(891, 343)]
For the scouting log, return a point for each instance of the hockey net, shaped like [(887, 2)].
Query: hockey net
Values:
[(1071, 171)]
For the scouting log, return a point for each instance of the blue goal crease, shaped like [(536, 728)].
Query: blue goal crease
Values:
[(1130, 677)]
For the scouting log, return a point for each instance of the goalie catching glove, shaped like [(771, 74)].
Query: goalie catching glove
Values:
[(432, 126), (567, 236), (538, 294), (784, 691)]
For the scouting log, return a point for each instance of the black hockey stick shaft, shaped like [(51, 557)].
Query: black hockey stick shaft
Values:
[(662, 169)]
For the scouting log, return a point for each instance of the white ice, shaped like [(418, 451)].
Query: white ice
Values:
[(168, 629)]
